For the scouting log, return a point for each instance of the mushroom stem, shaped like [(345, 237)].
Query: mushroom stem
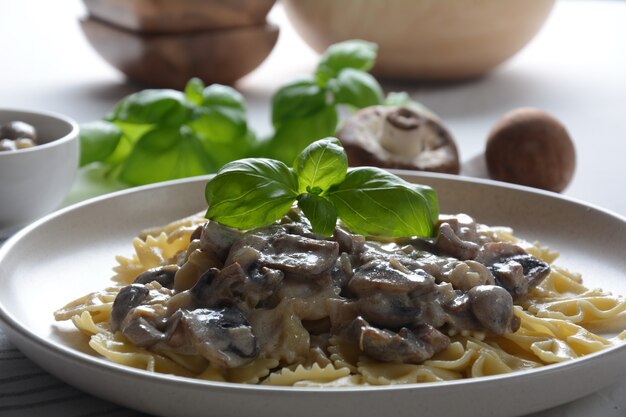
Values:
[(404, 133)]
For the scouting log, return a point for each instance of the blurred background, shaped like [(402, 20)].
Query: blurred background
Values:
[(574, 68)]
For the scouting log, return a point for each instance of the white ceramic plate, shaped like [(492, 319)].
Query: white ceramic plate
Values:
[(71, 252)]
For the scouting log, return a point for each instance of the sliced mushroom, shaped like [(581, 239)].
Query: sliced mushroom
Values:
[(407, 346), (342, 271), (295, 255), (301, 255), (467, 275), (450, 244), (233, 286), (514, 269), (380, 276), (218, 239), (164, 275), (198, 262), (141, 332), (387, 294), (399, 137), (349, 243), (466, 228), (128, 298), (201, 292), (224, 337)]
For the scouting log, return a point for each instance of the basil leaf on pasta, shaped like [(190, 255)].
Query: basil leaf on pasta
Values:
[(320, 212), (251, 193), (321, 165), (372, 201)]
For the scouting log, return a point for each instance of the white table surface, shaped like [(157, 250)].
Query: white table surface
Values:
[(575, 69)]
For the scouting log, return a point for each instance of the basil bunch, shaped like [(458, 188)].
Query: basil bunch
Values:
[(255, 192), (158, 135), (306, 110)]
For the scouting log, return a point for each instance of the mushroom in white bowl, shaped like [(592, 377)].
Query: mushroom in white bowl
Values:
[(34, 178)]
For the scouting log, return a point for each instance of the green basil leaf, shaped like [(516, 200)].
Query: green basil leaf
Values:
[(92, 180), (375, 202), (356, 88), (403, 99), (320, 212), (431, 198), (223, 133), (251, 193), (296, 134), (321, 165), (218, 95), (162, 107), (221, 125), (356, 54), (163, 154), (98, 140), (296, 100), (131, 133), (194, 91)]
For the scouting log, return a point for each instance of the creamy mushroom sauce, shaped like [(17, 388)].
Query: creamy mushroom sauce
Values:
[(233, 297)]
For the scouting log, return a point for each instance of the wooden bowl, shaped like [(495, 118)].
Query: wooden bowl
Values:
[(220, 56), (424, 39), (168, 16)]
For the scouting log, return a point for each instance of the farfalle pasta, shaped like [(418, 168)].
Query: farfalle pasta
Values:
[(283, 306)]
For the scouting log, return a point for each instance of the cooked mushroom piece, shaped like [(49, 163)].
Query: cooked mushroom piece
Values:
[(301, 255), (349, 243), (450, 244), (407, 346), (294, 255), (218, 239), (18, 130), (387, 294), (224, 337), (164, 275), (233, 286), (467, 275), (493, 307), (7, 145), (513, 268), (128, 298), (140, 331), (399, 137)]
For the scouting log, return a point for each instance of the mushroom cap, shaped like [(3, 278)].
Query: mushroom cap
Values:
[(17, 130), (364, 134), (530, 147)]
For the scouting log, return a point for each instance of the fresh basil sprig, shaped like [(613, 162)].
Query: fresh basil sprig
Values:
[(306, 110), (255, 192), (158, 135), (251, 192)]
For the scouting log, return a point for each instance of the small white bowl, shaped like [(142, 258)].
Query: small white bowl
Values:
[(34, 181)]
